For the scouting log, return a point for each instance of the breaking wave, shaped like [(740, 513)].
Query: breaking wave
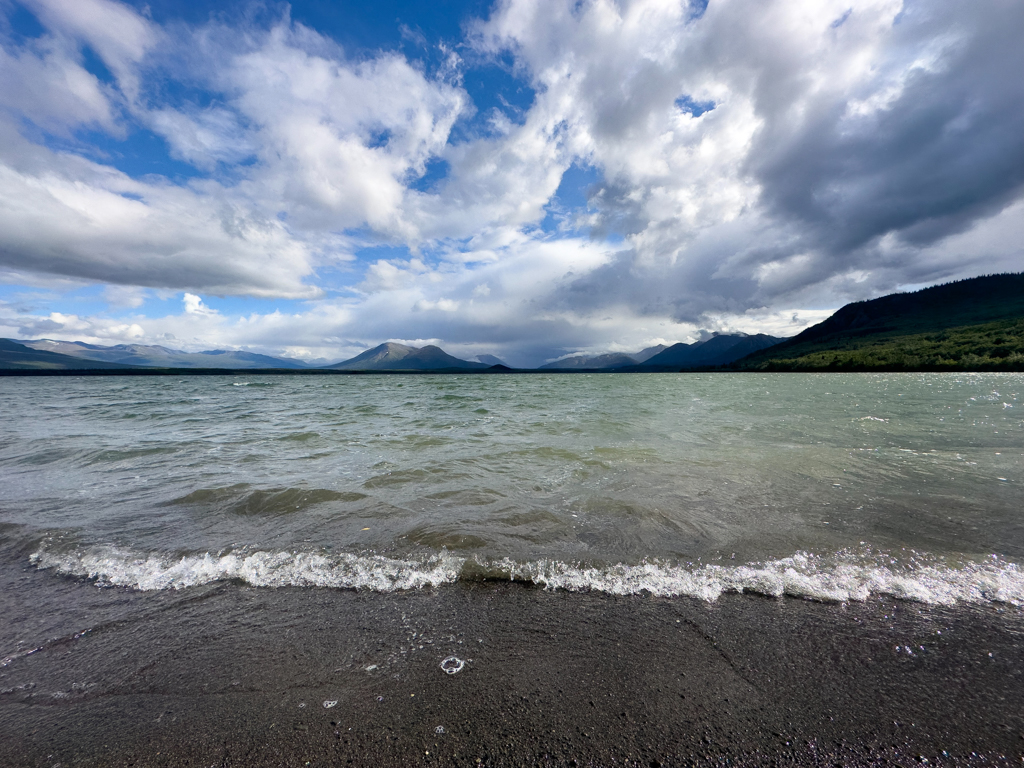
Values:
[(147, 572), (842, 577)]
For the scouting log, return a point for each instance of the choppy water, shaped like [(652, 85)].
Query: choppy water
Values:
[(834, 486)]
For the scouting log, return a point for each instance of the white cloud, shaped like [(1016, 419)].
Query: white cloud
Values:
[(441, 305), (338, 141), (194, 305), (202, 138), (45, 82), (68, 216), (125, 296), (120, 36)]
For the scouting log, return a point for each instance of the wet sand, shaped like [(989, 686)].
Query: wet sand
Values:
[(230, 675)]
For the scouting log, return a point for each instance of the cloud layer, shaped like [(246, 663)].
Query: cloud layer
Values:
[(745, 160)]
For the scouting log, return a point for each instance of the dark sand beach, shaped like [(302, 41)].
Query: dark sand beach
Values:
[(231, 675)]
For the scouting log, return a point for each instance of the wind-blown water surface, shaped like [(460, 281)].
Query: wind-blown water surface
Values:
[(834, 486)]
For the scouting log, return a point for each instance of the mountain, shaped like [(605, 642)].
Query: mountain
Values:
[(398, 357), (609, 360), (646, 354), (720, 349), (153, 355), (491, 360), (974, 324), (590, 362), (16, 356)]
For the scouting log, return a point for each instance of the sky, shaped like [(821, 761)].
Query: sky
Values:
[(524, 178)]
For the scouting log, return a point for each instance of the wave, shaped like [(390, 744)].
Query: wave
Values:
[(242, 499), (842, 577), (148, 572)]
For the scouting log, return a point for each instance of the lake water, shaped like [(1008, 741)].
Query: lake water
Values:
[(830, 486)]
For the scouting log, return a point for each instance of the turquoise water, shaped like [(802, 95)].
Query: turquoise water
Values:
[(834, 486)]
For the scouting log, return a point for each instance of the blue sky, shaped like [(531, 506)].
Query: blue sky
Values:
[(523, 178)]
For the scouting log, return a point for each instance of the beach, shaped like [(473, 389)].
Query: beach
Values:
[(232, 675)]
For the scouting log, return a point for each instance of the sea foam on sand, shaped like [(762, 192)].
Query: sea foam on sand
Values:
[(839, 577)]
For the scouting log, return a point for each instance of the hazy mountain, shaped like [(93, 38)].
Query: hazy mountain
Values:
[(646, 354), (17, 356), (490, 360), (398, 357), (153, 355), (583, 362), (974, 324), (609, 360), (720, 349)]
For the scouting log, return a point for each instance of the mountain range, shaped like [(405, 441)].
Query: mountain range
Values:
[(15, 356), (974, 324), (719, 349), (49, 354), (597, 362), (162, 357)]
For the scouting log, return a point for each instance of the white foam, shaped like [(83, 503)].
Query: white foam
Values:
[(836, 579), (120, 567), (840, 577)]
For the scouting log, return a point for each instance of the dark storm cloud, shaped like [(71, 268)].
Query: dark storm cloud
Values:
[(948, 150), (875, 140)]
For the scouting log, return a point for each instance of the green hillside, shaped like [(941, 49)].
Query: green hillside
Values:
[(969, 325)]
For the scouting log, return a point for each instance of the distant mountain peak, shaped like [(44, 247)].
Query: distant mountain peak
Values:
[(391, 356), (719, 349), (591, 362), (646, 354)]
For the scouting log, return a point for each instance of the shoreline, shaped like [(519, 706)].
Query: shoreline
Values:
[(497, 371), (229, 674)]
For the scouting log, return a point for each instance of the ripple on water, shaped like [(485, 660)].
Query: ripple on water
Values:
[(300, 437), (241, 499), (401, 477), (468, 497), (442, 537)]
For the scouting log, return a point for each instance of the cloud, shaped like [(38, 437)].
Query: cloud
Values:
[(61, 325), (338, 141), (119, 35), (832, 148), (202, 138), (922, 144), (125, 296), (194, 305), (45, 81), (751, 159), (334, 142), (441, 305), (65, 215)]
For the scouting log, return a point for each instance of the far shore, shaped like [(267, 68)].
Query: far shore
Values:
[(497, 371)]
